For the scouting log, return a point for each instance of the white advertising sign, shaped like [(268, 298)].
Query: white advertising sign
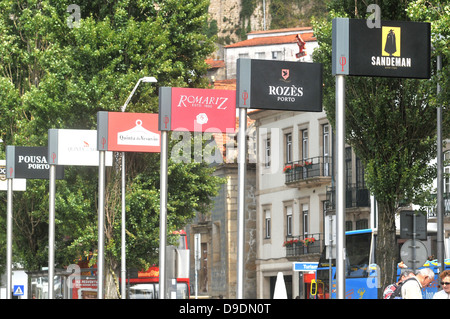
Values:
[(75, 147), (19, 184)]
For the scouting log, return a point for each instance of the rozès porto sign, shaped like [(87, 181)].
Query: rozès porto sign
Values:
[(279, 85), (396, 49)]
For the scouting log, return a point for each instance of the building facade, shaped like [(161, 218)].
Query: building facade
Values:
[(293, 190), (293, 172)]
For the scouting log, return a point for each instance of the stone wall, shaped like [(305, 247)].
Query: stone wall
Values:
[(227, 13)]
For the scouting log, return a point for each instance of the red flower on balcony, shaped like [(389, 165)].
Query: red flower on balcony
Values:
[(287, 168), (308, 241), (290, 243)]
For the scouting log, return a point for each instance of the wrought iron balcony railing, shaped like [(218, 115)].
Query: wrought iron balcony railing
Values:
[(355, 196), (303, 245), (314, 167), (432, 211)]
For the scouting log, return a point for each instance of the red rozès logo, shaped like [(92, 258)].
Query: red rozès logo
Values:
[(342, 62), (285, 73)]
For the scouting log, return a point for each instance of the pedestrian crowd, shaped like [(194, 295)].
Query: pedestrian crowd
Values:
[(410, 285)]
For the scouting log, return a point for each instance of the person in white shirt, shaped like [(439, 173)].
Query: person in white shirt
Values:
[(445, 284), (412, 289)]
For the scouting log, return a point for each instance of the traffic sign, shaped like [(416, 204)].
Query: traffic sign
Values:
[(304, 266), (18, 290), (414, 253), (413, 222)]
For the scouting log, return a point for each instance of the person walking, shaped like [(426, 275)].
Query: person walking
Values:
[(412, 289), (445, 284), (389, 292)]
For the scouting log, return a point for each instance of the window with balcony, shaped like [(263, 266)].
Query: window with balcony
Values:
[(447, 172), (326, 149), (348, 165), (305, 150), (362, 224), (267, 224), (288, 220), (267, 152), (305, 220), (288, 147)]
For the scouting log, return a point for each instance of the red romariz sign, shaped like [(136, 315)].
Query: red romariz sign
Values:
[(198, 110)]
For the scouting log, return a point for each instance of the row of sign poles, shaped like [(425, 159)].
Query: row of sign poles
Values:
[(262, 84)]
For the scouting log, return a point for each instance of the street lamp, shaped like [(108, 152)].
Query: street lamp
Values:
[(145, 79)]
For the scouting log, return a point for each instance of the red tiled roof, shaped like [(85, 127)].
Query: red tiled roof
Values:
[(281, 30), (215, 64), (225, 84), (309, 36)]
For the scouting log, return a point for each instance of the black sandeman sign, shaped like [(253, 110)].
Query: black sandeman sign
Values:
[(396, 49)]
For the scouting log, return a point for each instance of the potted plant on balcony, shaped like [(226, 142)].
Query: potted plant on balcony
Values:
[(308, 241), (287, 169), (290, 243), (292, 247)]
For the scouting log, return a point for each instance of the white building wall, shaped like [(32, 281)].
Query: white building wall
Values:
[(288, 52), (274, 194)]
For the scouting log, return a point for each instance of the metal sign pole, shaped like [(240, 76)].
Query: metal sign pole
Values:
[(241, 200), (340, 186), (101, 222), (123, 234), (197, 240), (9, 239), (163, 215), (414, 234), (51, 233), (440, 179)]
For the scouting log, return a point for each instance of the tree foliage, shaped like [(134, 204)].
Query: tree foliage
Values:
[(56, 76), (390, 123)]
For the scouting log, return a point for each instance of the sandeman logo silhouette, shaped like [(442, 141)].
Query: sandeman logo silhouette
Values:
[(391, 41), (391, 50)]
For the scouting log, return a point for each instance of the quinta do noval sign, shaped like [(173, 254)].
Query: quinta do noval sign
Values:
[(396, 49), (279, 85)]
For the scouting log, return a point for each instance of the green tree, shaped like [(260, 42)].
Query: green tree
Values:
[(391, 125), (55, 76), (437, 13)]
